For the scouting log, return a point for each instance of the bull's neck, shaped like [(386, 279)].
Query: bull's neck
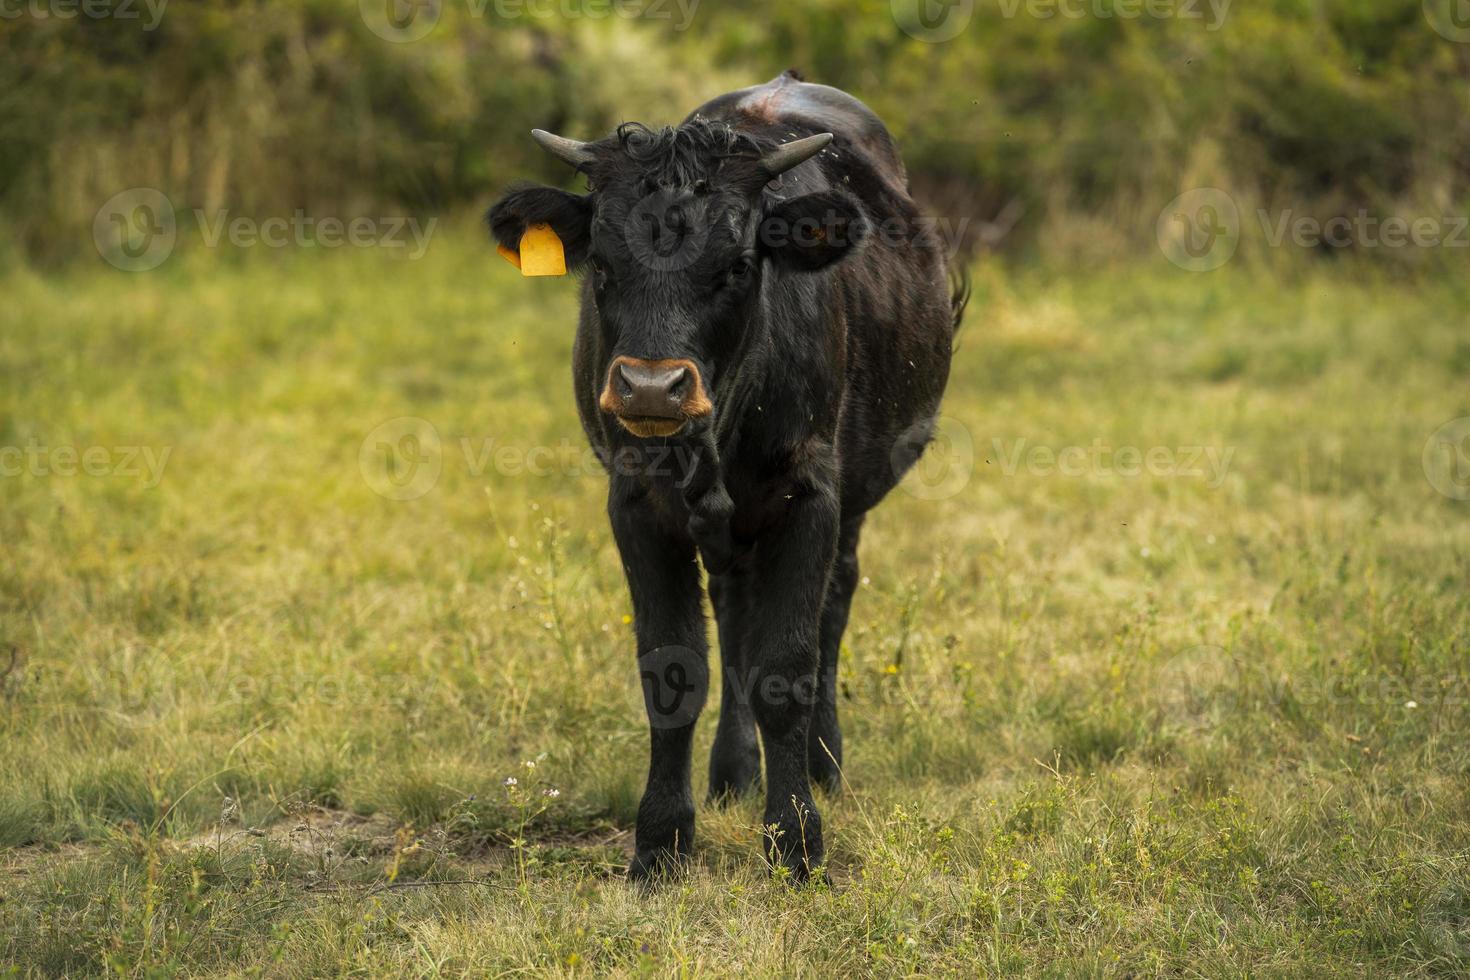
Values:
[(747, 373)]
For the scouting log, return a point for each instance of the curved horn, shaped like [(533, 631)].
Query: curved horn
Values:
[(573, 152), (788, 155)]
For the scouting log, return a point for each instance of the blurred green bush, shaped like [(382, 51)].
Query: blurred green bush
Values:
[(1084, 124)]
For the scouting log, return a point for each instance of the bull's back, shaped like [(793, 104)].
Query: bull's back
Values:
[(892, 298), (787, 103)]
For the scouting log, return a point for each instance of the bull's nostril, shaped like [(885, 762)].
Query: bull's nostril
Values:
[(624, 383), (679, 385)]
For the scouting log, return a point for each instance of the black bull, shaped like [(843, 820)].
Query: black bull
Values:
[(764, 339)]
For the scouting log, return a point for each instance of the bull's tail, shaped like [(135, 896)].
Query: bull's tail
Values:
[(959, 295)]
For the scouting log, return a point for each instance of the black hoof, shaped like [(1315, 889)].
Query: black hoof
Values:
[(726, 792), (793, 848), (651, 867)]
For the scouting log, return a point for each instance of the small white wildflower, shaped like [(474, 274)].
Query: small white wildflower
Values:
[(530, 763), (1411, 705), (551, 793), (511, 781)]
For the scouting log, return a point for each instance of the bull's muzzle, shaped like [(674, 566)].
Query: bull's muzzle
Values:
[(654, 398)]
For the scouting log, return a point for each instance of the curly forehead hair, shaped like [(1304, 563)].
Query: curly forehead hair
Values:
[(681, 155)]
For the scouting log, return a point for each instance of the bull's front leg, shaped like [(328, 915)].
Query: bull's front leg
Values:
[(792, 565), (668, 617)]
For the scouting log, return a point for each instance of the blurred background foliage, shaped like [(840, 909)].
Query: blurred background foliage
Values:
[(1074, 130)]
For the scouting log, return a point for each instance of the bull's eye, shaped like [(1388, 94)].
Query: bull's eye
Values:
[(600, 274), (740, 272)]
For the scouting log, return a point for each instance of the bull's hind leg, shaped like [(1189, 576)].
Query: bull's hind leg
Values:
[(734, 761), (824, 741)]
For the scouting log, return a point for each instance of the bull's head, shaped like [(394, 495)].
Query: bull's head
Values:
[(677, 236)]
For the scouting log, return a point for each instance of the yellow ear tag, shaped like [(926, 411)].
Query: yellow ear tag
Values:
[(513, 258), (541, 253)]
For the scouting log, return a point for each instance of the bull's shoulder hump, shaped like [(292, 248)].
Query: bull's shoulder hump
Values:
[(788, 100)]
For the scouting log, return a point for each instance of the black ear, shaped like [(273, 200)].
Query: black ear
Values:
[(811, 232), (569, 215)]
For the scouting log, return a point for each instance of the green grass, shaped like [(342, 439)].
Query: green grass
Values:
[(260, 717)]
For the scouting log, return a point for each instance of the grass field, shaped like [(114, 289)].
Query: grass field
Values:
[(1202, 709)]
